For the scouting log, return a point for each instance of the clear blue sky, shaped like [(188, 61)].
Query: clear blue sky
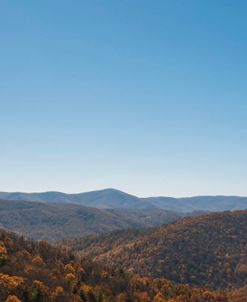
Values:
[(149, 97)]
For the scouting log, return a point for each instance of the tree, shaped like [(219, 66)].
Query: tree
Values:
[(3, 253), (12, 298), (37, 260)]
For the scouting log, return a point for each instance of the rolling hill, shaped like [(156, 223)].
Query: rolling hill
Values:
[(102, 199), (55, 221), (39, 272), (208, 250), (115, 199)]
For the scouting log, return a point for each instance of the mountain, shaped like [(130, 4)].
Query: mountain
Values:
[(39, 272), (199, 203), (208, 251), (203, 203), (115, 199), (102, 199), (55, 221)]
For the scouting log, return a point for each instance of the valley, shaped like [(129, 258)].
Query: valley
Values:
[(118, 254)]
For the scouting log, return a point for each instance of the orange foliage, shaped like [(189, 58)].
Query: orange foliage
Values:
[(10, 282), (12, 298)]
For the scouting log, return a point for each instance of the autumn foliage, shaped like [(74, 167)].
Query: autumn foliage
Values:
[(204, 258), (38, 272), (208, 251)]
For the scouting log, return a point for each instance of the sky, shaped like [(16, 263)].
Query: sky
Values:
[(148, 97)]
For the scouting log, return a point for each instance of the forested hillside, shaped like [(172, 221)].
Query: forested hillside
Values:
[(39, 272), (56, 221), (209, 250)]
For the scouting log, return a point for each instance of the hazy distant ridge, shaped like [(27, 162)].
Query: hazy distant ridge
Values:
[(55, 221), (114, 199)]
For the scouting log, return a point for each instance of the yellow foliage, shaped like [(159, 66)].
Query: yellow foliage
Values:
[(10, 282), (12, 298), (70, 277), (69, 268), (86, 288)]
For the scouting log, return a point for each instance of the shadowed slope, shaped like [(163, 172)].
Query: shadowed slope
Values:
[(56, 221)]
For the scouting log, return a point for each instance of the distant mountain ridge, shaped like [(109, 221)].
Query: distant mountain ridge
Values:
[(101, 199), (114, 199), (60, 221)]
